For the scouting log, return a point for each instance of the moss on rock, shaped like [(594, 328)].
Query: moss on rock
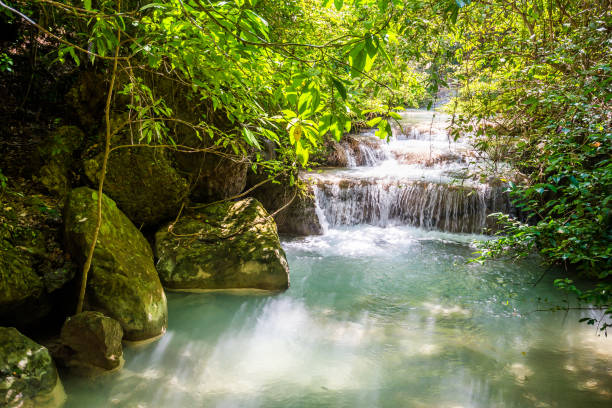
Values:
[(123, 282), (229, 245), (33, 266), (143, 182), (22, 293), (93, 343), (28, 377), (58, 155)]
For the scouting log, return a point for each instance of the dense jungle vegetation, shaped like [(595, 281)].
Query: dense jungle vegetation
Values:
[(268, 84)]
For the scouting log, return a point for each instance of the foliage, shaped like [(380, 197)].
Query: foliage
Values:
[(6, 63), (536, 86), (3, 181), (249, 75)]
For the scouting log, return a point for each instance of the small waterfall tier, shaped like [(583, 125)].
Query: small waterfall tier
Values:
[(419, 178), (425, 204)]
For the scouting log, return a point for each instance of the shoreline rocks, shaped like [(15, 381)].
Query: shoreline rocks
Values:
[(143, 183)]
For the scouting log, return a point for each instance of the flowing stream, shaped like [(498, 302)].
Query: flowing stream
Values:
[(383, 311)]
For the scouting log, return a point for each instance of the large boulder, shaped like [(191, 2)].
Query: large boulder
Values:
[(142, 181), (86, 99), (229, 245), (93, 343), (28, 377), (122, 282)]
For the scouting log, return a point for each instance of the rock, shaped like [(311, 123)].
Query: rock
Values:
[(122, 282), (299, 217), (94, 343), (338, 155), (230, 245), (57, 154), (143, 183), (86, 99), (22, 293), (34, 270), (53, 176), (28, 377), (213, 177)]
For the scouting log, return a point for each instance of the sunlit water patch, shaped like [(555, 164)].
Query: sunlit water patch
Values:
[(375, 317)]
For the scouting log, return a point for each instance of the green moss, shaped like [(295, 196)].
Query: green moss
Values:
[(231, 245), (27, 371), (143, 182), (122, 282)]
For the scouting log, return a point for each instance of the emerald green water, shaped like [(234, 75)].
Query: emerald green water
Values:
[(375, 317)]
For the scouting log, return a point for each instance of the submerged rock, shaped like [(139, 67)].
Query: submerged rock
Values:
[(28, 377), (123, 282), (229, 245), (93, 343), (143, 183)]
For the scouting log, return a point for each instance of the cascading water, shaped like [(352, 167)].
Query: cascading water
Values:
[(407, 182)]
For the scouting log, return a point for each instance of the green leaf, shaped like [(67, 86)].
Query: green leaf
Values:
[(340, 87), (87, 4), (303, 102), (374, 122), (325, 123), (250, 138), (357, 59), (338, 4)]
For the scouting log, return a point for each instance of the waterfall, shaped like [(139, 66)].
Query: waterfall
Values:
[(409, 181), (428, 205), (318, 211)]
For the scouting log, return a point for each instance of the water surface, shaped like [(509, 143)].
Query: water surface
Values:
[(375, 317)]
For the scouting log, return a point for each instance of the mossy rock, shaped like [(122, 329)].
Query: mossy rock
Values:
[(28, 377), (57, 152), (34, 270), (229, 245), (93, 343), (299, 216), (143, 182), (122, 282), (22, 294)]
